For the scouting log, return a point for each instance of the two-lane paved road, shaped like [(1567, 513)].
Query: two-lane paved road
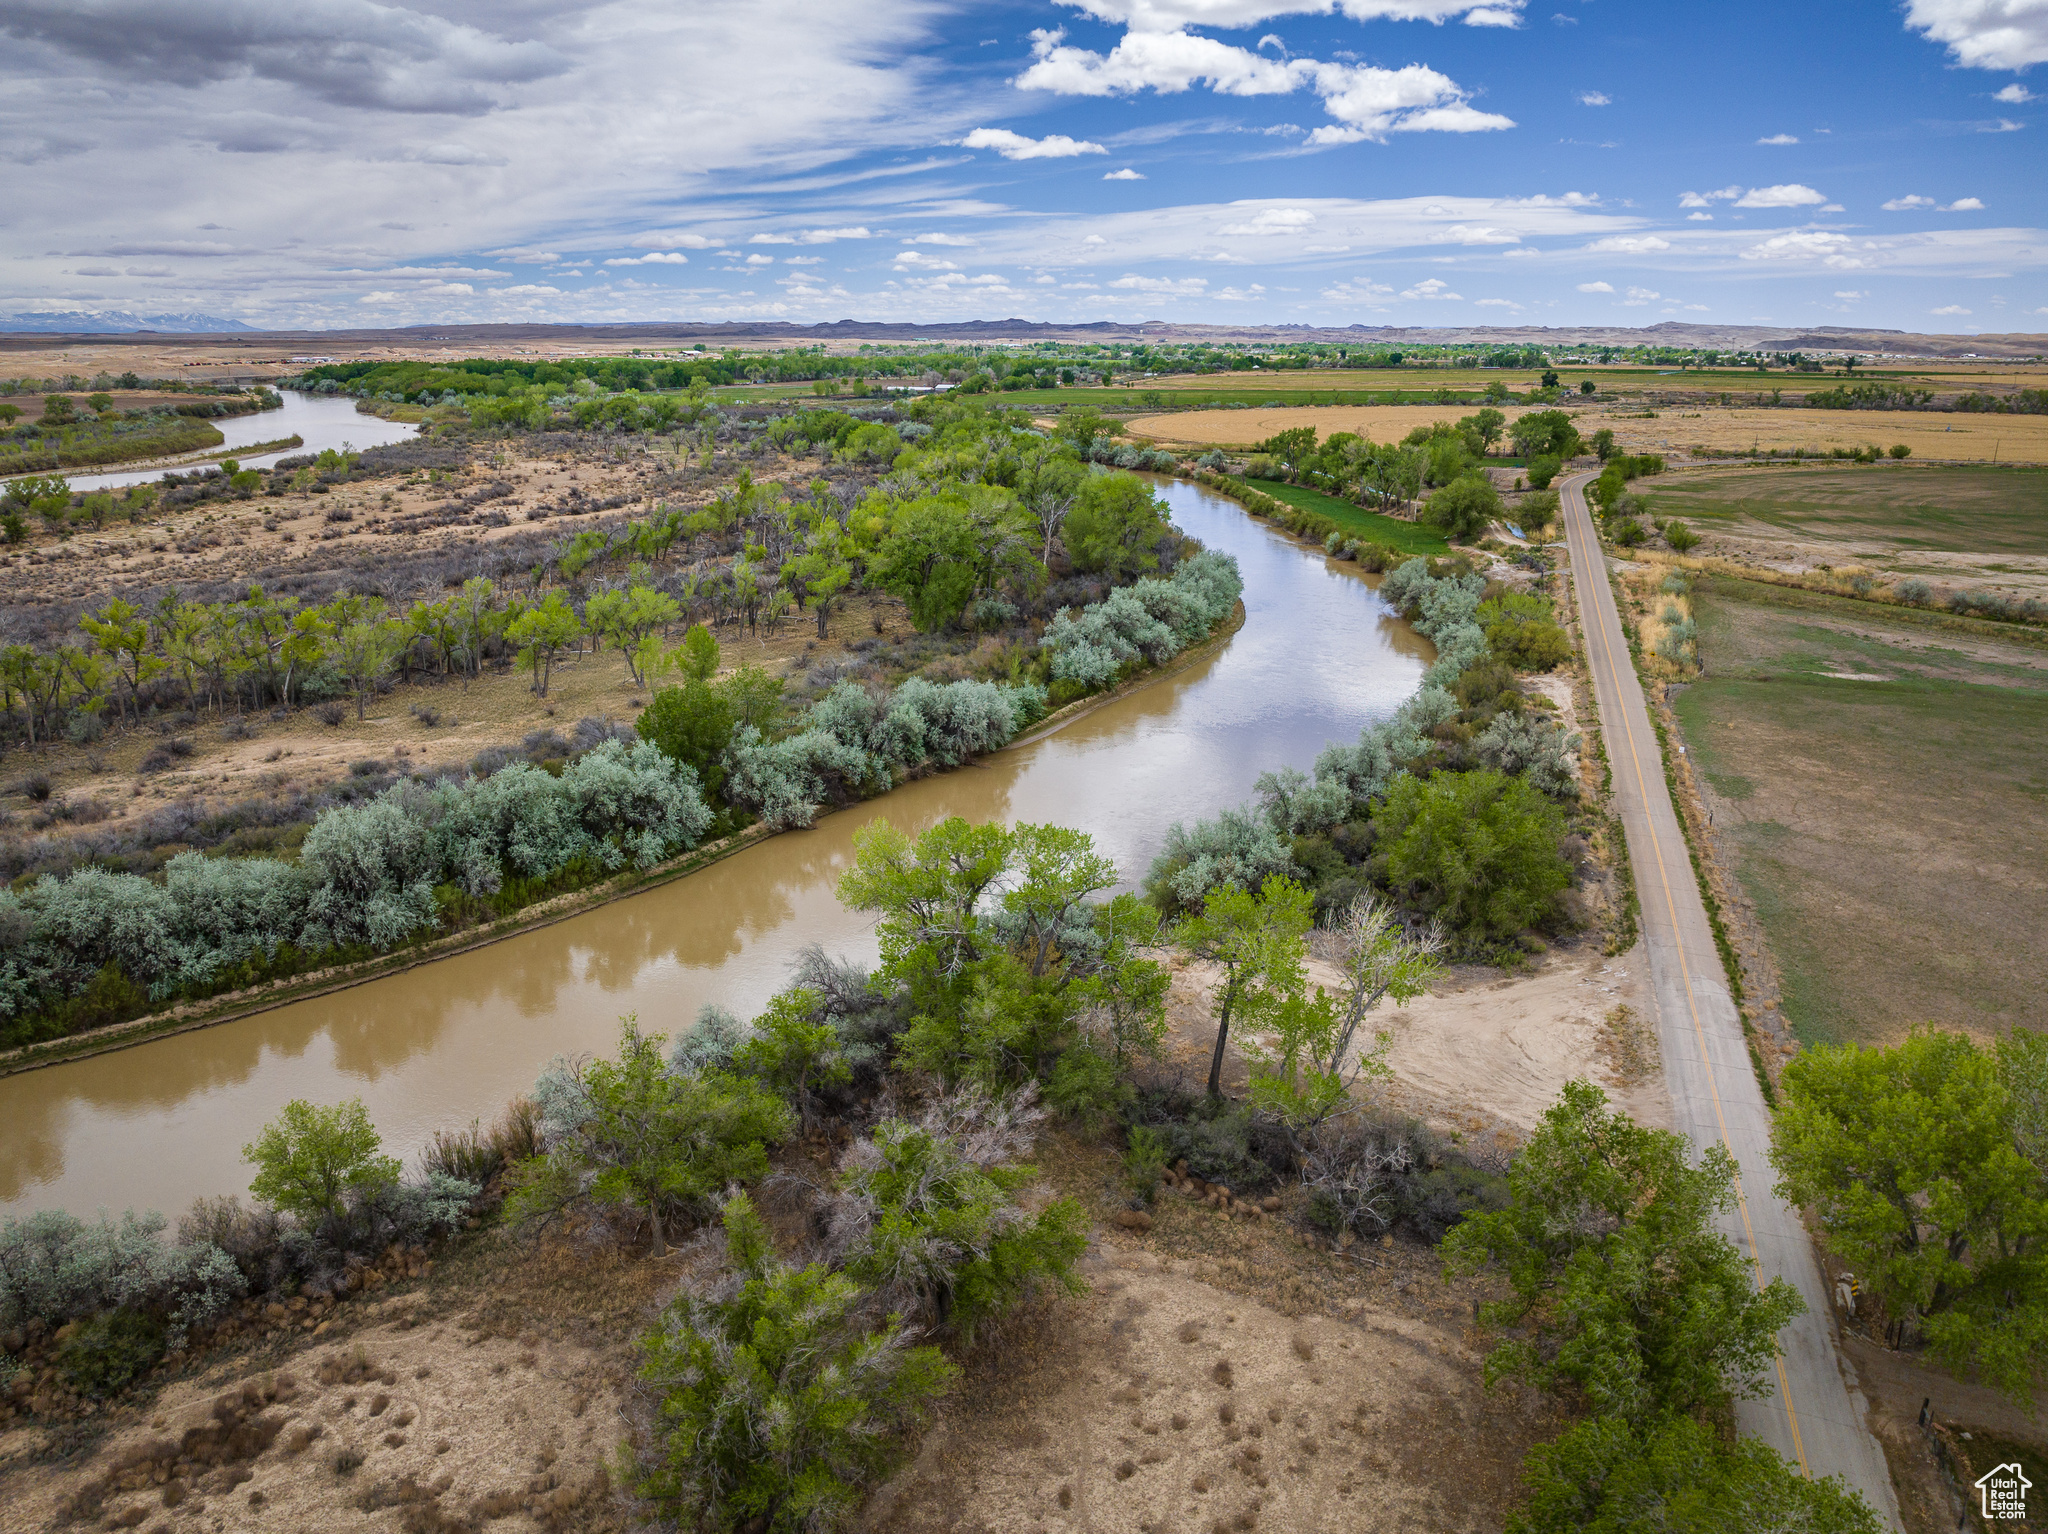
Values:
[(1812, 1415)]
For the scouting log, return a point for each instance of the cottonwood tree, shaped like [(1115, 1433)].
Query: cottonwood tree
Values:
[(542, 632), (631, 1131), (1922, 1160), (309, 1161), (1260, 942), (1620, 1286)]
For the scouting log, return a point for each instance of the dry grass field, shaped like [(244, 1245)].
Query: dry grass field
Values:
[(1678, 432), (1878, 776)]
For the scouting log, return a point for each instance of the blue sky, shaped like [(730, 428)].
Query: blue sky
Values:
[(1384, 162)]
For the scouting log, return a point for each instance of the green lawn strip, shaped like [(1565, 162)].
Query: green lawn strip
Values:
[(1373, 526)]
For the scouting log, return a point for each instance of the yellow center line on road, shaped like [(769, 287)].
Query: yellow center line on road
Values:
[(1577, 539)]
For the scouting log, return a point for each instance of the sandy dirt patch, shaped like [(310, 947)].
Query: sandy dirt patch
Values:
[(1159, 1402), (516, 1429), (1483, 1051)]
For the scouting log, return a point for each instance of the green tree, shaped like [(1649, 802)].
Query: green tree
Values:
[(1487, 426), (927, 894), (542, 632), (640, 1134), (122, 630), (821, 573), (56, 409), (1674, 1476), (362, 641), (101, 403), (1620, 1286), (628, 619), (1082, 427), (310, 1160), (1920, 1160), (1603, 443), (1546, 433), (1464, 508), (928, 559), (779, 1406), (1260, 940), (1115, 527), (794, 1049), (1681, 538), (692, 723), (1478, 848)]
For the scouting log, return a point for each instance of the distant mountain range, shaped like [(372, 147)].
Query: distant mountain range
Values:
[(114, 322), (15, 331)]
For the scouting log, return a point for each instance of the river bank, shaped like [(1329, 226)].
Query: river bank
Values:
[(429, 1045), (270, 995)]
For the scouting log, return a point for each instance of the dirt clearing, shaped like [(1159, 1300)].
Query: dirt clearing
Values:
[(1380, 423)]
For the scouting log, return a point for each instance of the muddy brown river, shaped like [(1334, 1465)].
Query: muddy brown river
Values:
[(160, 1124)]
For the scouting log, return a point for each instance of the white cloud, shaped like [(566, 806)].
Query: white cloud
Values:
[(1325, 250), (1367, 102), (1907, 203), (805, 260), (1985, 34), (1594, 99), (827, 236), (1807, 245), (938, 239), (1431, 287), (528, 288), (526, 257), (1949, 309), (1964, 205), (1015, 146), (2016, 94), (757, 259), (671, 239), (1273, 221), (1779, 138), (1596, 287), (1833, 207), (1699, 218), (1708, 199), (381, 298), (918, 261), (656, 258), (1521, 253), (1789, 195), (1126, 174), (1357, 291), (1849, 293), (1095, 239), (1497, 303), (1249, 293), (1630, 244), (2003, 125), (1177, 287), (771, 239), (1637, 297)]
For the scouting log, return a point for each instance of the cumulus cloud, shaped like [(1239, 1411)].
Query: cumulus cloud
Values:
[(1708, 199), (1699, 218), (1431, 287), (1985, 34), (1592, 99), (529, 289), (1126, 174), (1366, 102), (1637, 297), (654, 258), (1907, 203), (2015, 94), (671, 239), (1779, 138), (1596, 287), (1807, 245), (1177, 287), (1015, 146), (1497, 303), (1358, 290), (937, 239), (1630, 244), (2003, 125), (1850, 293), (1949, 309), (1789, 195), (1965, 205)]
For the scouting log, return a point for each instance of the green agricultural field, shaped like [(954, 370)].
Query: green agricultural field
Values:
[(1898, 506), (1879, 775), (1408, 537)]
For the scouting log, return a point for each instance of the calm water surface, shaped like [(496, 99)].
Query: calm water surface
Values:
[(158, 1125), (324, 420)]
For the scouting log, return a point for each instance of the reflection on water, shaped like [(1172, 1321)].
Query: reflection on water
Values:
[(155, 1126), (324, 420)]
